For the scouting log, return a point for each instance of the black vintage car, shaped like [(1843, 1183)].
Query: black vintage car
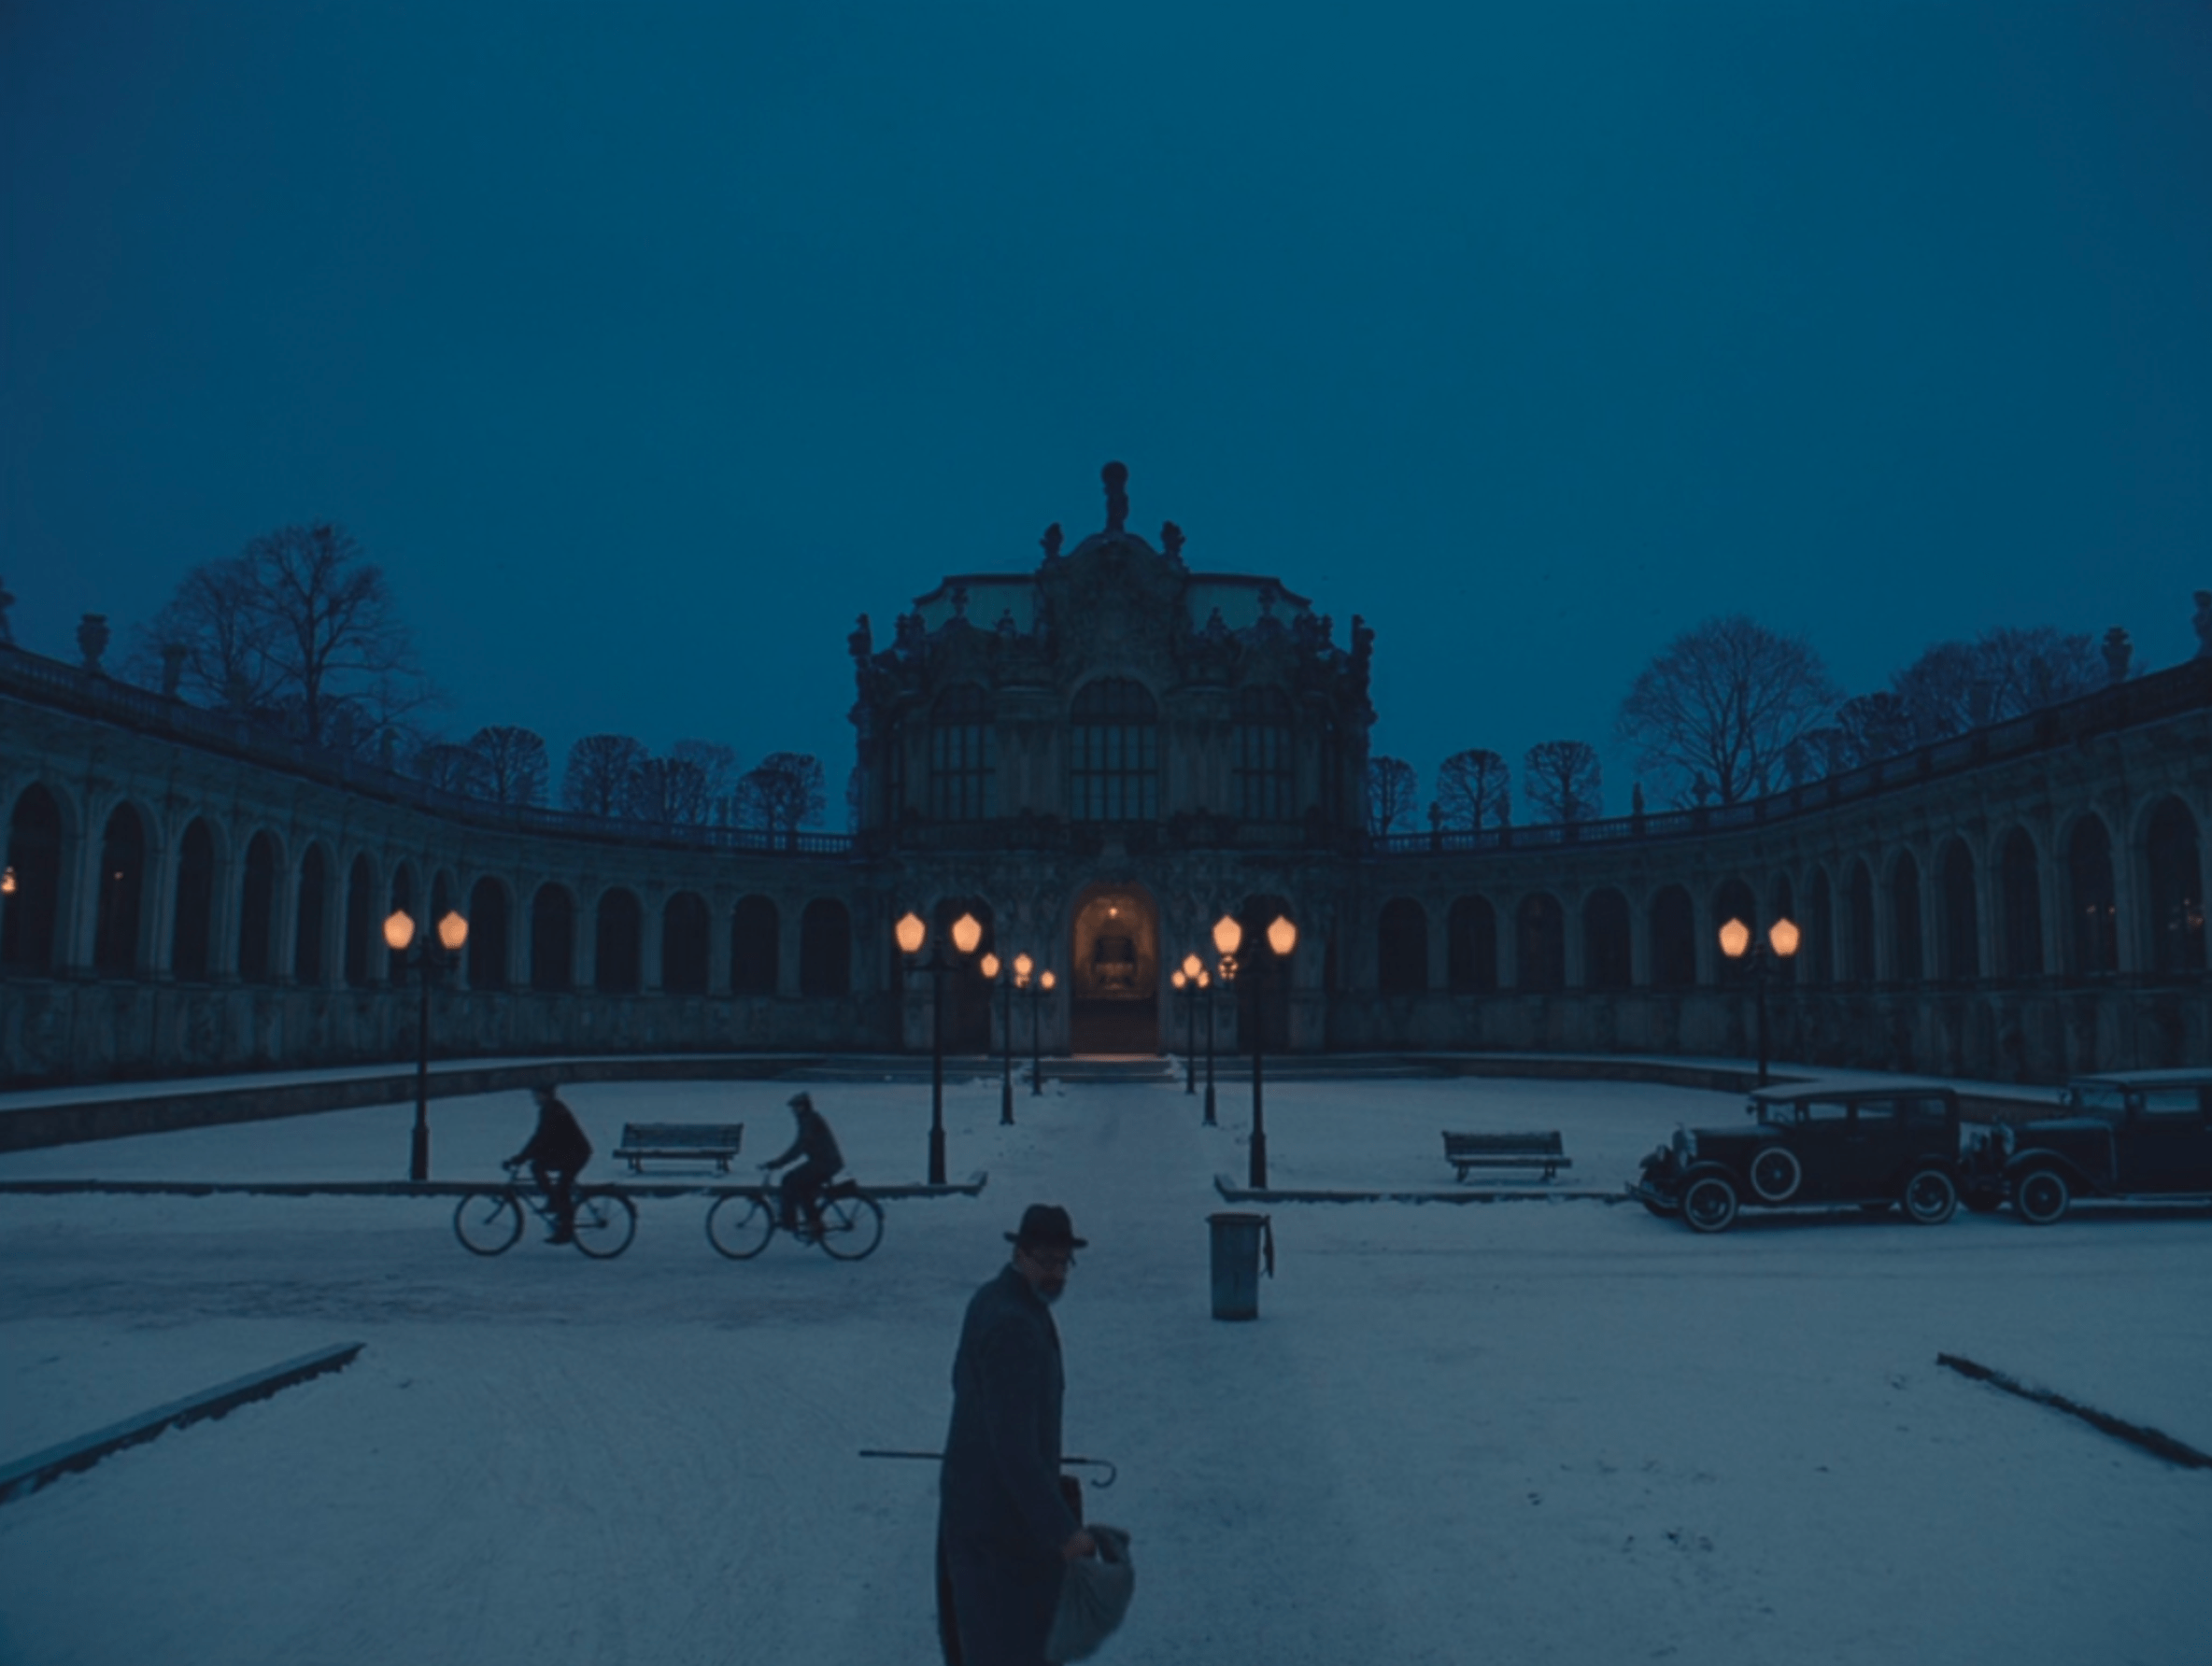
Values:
[(1814, 1145), (2135, 1134)]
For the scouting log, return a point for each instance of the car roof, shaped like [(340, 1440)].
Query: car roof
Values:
[(1851, 1088), (2145, 1078)]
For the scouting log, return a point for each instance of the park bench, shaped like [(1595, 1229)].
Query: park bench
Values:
[(1506, 1151), (689, 1141)]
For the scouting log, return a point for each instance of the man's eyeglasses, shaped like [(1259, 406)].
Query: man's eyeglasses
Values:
[(1052, 1261)]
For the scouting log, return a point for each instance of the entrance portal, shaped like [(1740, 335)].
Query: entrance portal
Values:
[(1115, 978)]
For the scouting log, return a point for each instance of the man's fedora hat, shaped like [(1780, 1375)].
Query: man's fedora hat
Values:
[(1047, 1225)]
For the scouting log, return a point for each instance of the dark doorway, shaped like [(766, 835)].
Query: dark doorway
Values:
[(29, 894)]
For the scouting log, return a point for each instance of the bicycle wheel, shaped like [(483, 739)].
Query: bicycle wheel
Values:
[(852, 1227), (740, 1226), (487, 1223), (605, 1224)]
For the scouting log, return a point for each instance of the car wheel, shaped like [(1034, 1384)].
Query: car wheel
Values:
[(1929, 1197), (1709, 1204), (1775, 1174), (2041, 1196)]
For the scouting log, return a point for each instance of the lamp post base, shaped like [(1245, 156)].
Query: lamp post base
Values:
[(1258, 1175), (419, 1149)]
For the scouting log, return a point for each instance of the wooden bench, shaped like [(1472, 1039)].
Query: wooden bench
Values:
[(686, 1141), (1506, 1151)]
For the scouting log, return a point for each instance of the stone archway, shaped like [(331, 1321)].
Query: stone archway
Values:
[(1113, 979)]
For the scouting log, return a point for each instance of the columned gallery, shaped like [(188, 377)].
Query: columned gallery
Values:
[(1097, 760)]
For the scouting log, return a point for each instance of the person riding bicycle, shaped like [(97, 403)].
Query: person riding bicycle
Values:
[(803, 1187), (557, 1152)]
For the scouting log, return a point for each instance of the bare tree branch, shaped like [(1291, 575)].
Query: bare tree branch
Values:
[(1722, 705), (1474, 791), (1560, 779)]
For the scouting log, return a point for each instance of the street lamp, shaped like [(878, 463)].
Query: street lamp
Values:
[(1782, 939), (912, 935), (1282, 937), (1038, 991), (399, 937), (1206, 989), (992, 967), (1186, 985)]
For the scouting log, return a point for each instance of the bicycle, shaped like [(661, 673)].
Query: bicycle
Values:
[(489, 1222), (741, 1222)]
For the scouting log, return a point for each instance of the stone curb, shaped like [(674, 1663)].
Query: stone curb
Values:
[(1233, 1193), (971, 1187)]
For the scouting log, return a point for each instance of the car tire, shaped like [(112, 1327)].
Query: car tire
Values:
[(1708, 1204), (2040, 1196), (1776, 1175), (1929, 1197)]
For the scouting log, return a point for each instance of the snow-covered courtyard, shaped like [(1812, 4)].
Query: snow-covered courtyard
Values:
[(1554, 1431)]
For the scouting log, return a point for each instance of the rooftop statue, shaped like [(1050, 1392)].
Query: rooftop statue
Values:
[(2118, 650), (2204, 624), (1171, 540), (1052, 541), (1117, 476)]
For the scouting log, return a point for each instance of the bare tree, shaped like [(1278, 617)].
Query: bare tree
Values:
[(596, 779), (1474, 790), (511, 764), (1394, 794), (781, 794), (218, 639), (1560, 779), (450, 765), (1725, 701), (2003, 673), (667, 789), (1868, 728), (717, 768)]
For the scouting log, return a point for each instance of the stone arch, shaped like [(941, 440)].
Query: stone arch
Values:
[(31, 884), (2175, 887), (552, 938), (686, 934), (1471, 946), (1908, 965), (116, 926), (258, 895), (1735, 900), (310, 932), (755, 930), (1540, 938), (362, 938), (1858, 936), (491, 932), (2091, 902), (1958, 926), (1402, 947), (1674, 940), (192, 923), (825, 948), (1606, 963), (1115, 956), (617, 959), (2019, 906)]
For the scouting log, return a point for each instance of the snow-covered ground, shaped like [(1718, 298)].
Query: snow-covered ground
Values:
[(1560, 1432)]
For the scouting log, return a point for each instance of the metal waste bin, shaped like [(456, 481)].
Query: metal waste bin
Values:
[(1237, 1240)]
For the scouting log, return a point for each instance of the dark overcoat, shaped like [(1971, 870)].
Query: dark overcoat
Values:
[(1001, 1519)]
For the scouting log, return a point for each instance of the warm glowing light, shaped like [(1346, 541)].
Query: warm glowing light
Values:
[(1282, 937), (967, 933), (1736, 936), (453, 931), (1112, 911), (1205, 980), (912, 933), (1046, 981), (1178, 979), (7, 882), (1785, 937), (989, 963), (1227, 934), (1192, 965), (1023, 967), (399, 929)]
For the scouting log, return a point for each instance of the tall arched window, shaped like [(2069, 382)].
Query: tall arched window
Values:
[(1605, 940), (1819, 953), (488, 935), (122, 885), (30, 902), (2176, 890), (1113, 753), (2094, 907), (1960, 951), (1859, 940), (257, 911), (825, 948), (311, 925), (1267, 776), (1674, 940), (552, 939), (1470, 952), (753, 933), (1402, 947), (2021, 912), (961, 754), (1905, 918), (684, 927), (619, 947), (195, 903), (1540, 938)]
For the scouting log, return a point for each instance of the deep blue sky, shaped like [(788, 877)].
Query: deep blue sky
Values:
[(645, 346)]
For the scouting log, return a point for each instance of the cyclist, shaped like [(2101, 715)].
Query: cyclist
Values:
[(803, 1187), (557, 1152)]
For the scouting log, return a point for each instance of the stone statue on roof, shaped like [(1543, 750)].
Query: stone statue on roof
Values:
[(2204, 624), (1171, 540), (1052, 541), (861, 643), (1117, 476)]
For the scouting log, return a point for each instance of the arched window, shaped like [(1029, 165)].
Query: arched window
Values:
[(362, 938), (1960, 953), (2095, 912), (488, 935), (961, 754), (311, 927), (1470, 952), (1859, 940), (684, 926), (257, 912), (1267, 776), (1735, 901), (754, 930), (2021, 913), (1674, 940), (1819, 953), (195, 903), (552, 939), (2176, 890), (619, 949), (122, 885), (1401, 948), (1542, 938), (30, 898), (1605, 940), (825, 948), (1905, 918), (1113, 753)]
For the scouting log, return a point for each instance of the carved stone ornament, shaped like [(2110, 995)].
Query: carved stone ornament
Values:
[(92, 639), (1117, 476), (1171, 540), (2117, 651), (1052, 540)]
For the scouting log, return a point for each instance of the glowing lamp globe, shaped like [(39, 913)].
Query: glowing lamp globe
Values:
[(1736, 936), (1282, 937), (453, 930), (399, 930), (967, 933), (1023, 967), (1227, 934), (989, 965), (912, 933), (1191, 965), (1046, 981), (1785, 938), (1178, 979)]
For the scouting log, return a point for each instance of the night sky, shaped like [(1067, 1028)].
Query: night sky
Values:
[(646, 345)]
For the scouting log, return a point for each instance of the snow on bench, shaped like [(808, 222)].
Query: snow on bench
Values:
[(1505, 1150), (685, 1141)]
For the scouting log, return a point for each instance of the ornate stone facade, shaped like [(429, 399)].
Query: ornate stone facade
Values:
[(1099, 758)]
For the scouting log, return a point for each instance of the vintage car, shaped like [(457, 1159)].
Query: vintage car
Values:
[(1814, 1145), (2134, 1134)]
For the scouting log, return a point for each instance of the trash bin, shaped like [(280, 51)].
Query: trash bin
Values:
[(1237, 1243)]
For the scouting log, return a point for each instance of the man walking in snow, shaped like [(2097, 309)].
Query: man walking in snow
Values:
[(1004, 1529)]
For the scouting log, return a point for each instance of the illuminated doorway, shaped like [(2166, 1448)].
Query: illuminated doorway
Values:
[(1115, 972)]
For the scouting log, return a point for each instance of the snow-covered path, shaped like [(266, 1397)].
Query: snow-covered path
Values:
[(1532, 1431)]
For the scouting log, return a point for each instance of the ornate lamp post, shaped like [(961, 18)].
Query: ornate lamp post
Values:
[(1004, 976), (1736, 941), (400, 934), (912, 935), (1186, 980), (1038, 991), (1206, 990), (1282, 938)]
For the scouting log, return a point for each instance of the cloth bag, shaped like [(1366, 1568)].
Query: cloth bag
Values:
[(1094, 1597)]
